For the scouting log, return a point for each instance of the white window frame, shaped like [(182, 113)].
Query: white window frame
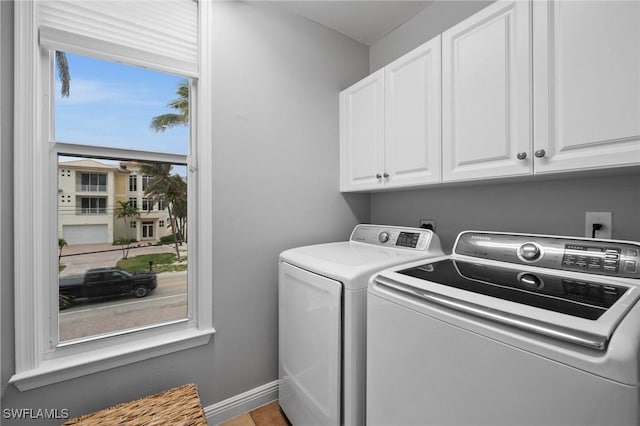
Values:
[(1, 195), (39, 360)]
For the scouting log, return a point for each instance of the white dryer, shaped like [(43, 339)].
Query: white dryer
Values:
[(322, 319)]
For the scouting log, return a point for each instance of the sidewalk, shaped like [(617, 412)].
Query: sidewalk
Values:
[(80, 257)]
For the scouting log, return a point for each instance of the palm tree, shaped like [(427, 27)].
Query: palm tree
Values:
[(126, 211), (177, 195), (164, 121), (165, 186), (179, 206), (63, 73), (61, 244)]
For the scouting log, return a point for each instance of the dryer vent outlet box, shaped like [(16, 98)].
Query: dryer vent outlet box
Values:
[(428, 224)]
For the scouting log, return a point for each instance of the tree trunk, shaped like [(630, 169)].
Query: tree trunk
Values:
[(173, 231)]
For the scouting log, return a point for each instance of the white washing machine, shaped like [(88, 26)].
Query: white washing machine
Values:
[(322, 318), (511, 329)]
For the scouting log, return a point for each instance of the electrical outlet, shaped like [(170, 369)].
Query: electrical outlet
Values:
[(428, 224), (603, 218)]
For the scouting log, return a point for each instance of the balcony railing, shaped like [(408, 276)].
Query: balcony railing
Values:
[(91, 211), (91, 188)]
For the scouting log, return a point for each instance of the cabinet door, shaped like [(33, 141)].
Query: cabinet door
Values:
[(412, 117), (486, 94), (586, 84), (362, 134)]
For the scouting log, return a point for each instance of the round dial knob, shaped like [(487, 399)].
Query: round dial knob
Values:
[(383, 237), (529, 252)]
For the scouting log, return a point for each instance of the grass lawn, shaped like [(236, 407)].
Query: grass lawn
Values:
[(162, 262)]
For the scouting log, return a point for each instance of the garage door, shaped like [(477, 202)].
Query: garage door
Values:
[(85, 234)]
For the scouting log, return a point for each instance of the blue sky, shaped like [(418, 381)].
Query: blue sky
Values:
[(112, 104)]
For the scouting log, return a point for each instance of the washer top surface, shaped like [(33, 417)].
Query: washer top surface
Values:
[(371, 248)]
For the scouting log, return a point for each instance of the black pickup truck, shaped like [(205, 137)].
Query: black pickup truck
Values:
[(104, 282)]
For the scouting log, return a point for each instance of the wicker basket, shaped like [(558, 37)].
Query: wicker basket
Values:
[(177, 406)]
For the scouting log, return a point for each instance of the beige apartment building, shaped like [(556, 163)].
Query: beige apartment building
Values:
[(153, 221), (89, 194)]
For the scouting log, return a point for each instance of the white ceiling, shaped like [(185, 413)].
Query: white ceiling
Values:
[(364, 21)]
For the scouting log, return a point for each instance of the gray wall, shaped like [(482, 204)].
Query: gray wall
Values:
[(275, 121), (275, 187), (434, 19), (550, 206)]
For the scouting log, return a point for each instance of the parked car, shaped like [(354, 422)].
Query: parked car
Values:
[(104, 282)]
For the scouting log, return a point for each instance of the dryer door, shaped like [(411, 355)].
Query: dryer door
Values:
[(310, 335)]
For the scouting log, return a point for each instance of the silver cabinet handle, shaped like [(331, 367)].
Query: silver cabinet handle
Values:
[(378, 176), (385, 175), (540, 153), (522, 155)]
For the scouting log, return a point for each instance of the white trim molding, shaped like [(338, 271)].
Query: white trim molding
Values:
[(241, 403), (39, 358), (3, 204)]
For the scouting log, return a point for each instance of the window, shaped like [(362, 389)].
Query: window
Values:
[(132, 224), (161, 204), (147, 204), (44, 353), (133, 183), (92, 205), (133, 201), (92, 182), (161, 223), (145, 182)]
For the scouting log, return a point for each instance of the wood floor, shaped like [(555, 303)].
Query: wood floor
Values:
[(267, 415)]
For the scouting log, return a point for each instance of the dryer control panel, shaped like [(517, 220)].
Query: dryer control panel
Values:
[(396, 236), (602, 257)]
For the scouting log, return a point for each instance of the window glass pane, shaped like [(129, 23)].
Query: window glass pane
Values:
[(120, 268), (133, 183), (117, 105)]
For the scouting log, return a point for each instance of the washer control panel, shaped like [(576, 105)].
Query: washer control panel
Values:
[(597, 258), (602, 257), (396, 236)]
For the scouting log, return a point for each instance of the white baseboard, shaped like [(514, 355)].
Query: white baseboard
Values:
[(241, 403)]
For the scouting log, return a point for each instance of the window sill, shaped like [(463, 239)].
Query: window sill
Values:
[(100, 359)]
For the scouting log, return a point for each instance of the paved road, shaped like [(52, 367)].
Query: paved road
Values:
[(168, 302)]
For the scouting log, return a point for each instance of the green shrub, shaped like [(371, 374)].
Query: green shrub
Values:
[(124, 241), (167, 239)]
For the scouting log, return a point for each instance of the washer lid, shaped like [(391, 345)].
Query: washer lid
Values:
[(579, 309), (350, 262)]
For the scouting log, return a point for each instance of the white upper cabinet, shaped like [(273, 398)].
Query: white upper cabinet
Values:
[(362, 134), (390, 124), (412, 117), (486, 94), (586, 84), (527, 88)]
